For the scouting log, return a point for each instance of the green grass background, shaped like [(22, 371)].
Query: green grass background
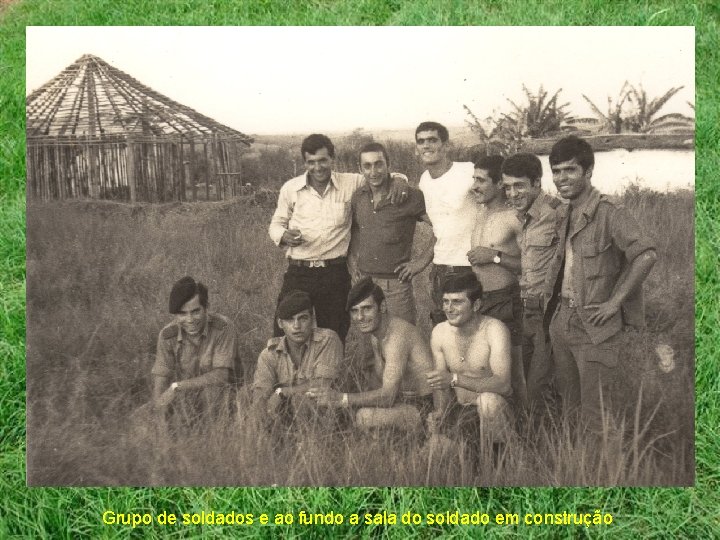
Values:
[(67, 513)]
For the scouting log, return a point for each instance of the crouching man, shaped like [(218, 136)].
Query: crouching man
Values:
[(196, 353), (304, 357), (401, 359), (472, 356)]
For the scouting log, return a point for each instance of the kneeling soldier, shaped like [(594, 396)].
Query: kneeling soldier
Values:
[(197, 351), (302, 358), (401, 358), (472, 356)]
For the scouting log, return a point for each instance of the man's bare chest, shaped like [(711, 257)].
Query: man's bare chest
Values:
[(495, 230)]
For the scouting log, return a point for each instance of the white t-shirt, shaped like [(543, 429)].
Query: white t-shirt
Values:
[(451, 209)]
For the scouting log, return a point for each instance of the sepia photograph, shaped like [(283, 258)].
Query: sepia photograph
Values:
[(357, 256)]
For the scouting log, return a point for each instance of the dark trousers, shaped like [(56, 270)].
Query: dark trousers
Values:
[(586, 374), (505, 305), (328, 288), (537, 356)]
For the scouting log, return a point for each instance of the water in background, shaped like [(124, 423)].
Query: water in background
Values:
[(661, 170)]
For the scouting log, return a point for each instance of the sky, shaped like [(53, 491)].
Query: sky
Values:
[(282, 80)]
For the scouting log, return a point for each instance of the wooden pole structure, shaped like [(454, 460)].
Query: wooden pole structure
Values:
[(210, 171), (130, 168), (92, 149)]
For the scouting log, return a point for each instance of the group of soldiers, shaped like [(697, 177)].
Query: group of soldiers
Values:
[(530, 294)]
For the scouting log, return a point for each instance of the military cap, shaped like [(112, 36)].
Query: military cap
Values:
[(293, 303)]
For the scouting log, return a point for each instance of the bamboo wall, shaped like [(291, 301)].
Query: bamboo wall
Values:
[(148, 169)]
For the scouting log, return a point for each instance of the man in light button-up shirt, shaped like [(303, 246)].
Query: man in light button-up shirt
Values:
[(313, 222)]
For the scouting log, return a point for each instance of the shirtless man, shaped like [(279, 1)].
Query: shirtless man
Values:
[(402, 358), (472, 356), (495, 257)]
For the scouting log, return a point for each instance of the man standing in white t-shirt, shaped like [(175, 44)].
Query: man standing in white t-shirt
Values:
[(449, 203)]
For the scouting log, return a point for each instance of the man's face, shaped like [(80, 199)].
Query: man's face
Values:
[(192, 316), (458, 308), (570, 179), (429, 147), (374, 168), (520, 191), (484, 189), (367, 315), (319, 165), (298, 328)]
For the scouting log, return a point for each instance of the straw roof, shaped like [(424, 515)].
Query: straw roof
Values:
[(92, 99)]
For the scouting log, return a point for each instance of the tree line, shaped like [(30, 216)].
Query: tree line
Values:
[(540, 115)]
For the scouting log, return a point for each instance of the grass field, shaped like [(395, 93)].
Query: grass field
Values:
[(98, 278)]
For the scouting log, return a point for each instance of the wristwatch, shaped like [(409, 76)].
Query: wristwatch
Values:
[(496, 258), (345, 402), (453, 381)]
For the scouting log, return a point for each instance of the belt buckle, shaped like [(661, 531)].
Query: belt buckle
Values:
[(317, 264)]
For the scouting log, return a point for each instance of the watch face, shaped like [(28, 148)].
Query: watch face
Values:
[(496, 260)]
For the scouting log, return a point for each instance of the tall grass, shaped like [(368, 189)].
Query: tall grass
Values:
[(98, 279)]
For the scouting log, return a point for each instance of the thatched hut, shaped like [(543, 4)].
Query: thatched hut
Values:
[(94, 131)]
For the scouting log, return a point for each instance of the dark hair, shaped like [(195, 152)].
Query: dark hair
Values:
[(374, 147), (523, 165), (433, 126), (293, 303), (467, 283), (363, 289), (314, 143), (185, 290), (491, 164), (571, 147)]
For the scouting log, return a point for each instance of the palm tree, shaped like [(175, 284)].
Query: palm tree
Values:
[(496, 134), (645, 109), (632, 110), (616, 118), (539, 118), (504, 132)]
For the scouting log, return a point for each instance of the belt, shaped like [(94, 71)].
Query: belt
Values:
[(451, 268), (506, 292), (317, 264), (533, 302), (568, 302)]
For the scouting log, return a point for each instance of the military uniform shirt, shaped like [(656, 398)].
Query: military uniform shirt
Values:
[(320, 360), (538, 242), (178, 358)]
